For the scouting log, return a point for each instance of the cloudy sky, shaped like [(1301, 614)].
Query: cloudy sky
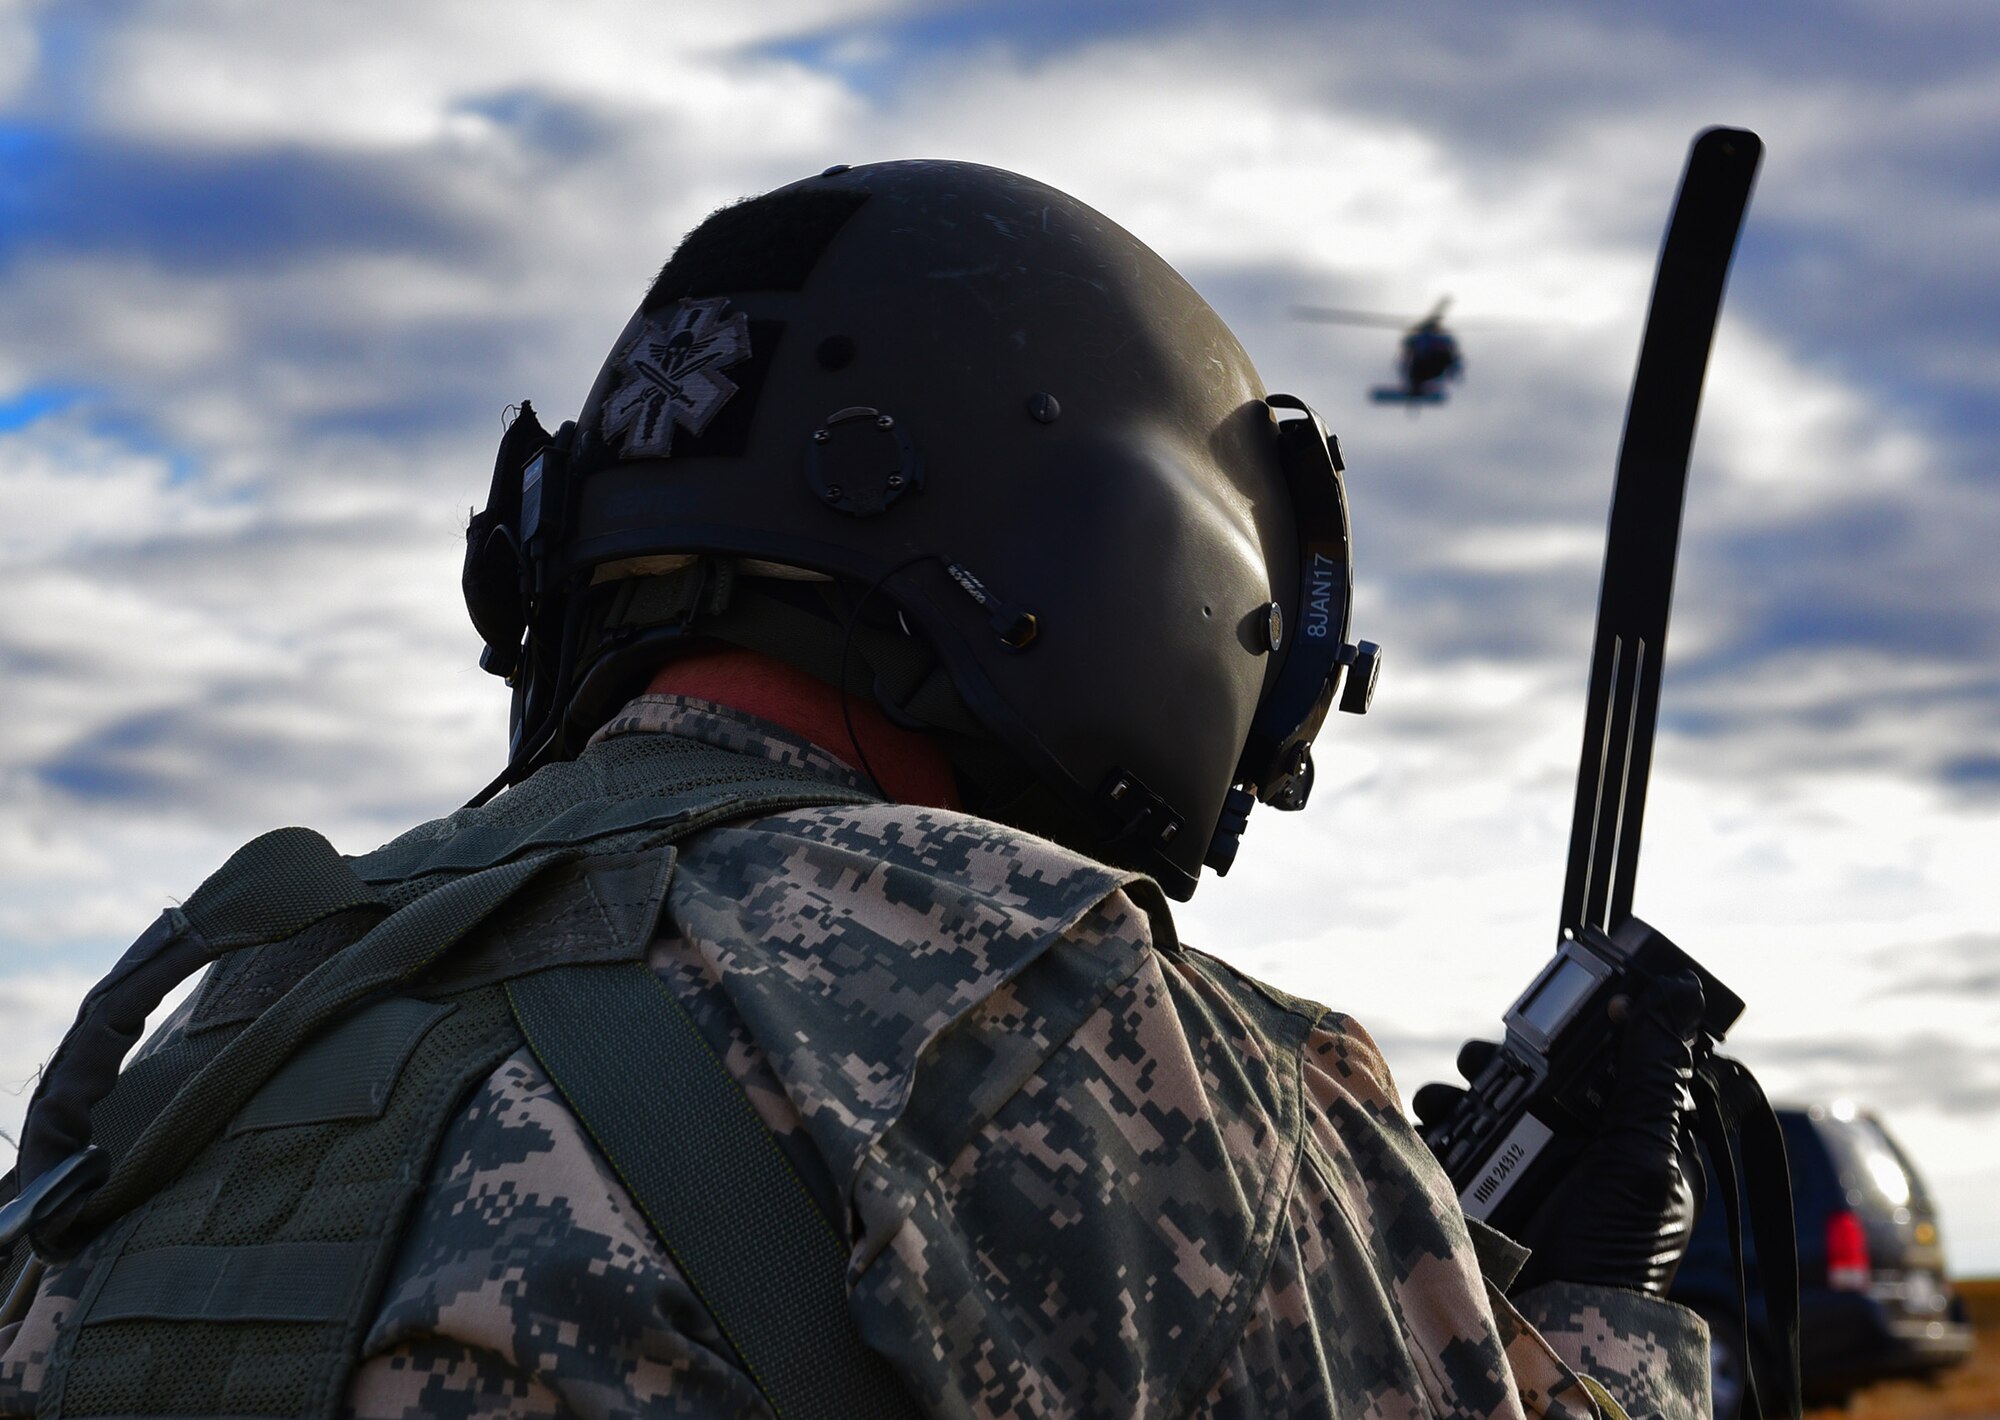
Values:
[(269, 275)]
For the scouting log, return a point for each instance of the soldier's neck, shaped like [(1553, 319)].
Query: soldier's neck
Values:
[(909, 766)]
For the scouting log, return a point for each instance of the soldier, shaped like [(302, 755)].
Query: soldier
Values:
[(927, 584)]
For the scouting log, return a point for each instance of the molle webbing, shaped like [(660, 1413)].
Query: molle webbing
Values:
[(267, 1158), (401, 946), (237, 987), (244, 1286), (245, 1282), (307, 882)]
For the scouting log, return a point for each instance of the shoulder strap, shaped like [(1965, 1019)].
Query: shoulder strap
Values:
[(275, 885), (678, 1131), (1730, 1105), (398, 948)]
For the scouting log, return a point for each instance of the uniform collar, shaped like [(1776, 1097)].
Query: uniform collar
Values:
[(726, 728)]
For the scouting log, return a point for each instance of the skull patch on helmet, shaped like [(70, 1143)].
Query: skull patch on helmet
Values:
[(671, 373)]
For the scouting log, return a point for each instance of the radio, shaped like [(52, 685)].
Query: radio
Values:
[(1532, 1106)]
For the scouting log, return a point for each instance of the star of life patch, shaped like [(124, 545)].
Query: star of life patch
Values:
[(671, 373)]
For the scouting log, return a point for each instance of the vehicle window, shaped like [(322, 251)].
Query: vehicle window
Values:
[(1869, 1162), (1918, 1198)]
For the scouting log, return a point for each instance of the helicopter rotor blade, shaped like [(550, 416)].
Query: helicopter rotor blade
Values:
[(1334, 315)]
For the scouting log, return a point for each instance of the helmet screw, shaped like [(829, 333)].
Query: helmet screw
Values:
[(1274, 626), (833, 493), (1042, 407), (820, 436), (885, 421), (895, 480), (1020, 632)]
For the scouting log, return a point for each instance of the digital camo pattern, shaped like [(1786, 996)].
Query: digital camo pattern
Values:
[(1375, 1304), (856, 944), (1651, 1355), (529, 1280), (25, 1346), (1095, 1248), (528, 1285), (1085, 1171)]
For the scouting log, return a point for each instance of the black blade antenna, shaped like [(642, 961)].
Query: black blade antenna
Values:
[(1644, 537)]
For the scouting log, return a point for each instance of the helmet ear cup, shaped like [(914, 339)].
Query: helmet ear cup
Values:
[(1276, 766), (494, 578), (494, 595), (1311, 635)]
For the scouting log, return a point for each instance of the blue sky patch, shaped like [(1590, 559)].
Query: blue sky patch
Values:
[(871, 57), (1978, 772), (193, 211), (17, 411), (139, 435), (558, 127), (99, 781), (135, 431)]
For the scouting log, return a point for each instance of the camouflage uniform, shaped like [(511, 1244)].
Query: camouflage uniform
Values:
[(1084, 1169)]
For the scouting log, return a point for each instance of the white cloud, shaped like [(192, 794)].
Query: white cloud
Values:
[(1788, 439), (35, 1009), (65, 490), (383, 74), (1524, 548), (1214, 156), (20, 48)]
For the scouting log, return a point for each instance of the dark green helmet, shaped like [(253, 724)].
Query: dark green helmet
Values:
[(1059, 519)]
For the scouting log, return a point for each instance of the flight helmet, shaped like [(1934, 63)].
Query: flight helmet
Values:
[(949, 438)]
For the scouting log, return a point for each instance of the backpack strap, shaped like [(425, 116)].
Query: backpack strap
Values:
[(400, 947), (1731, 1110), (244, 1283), (633, 793), (716, 1191), (274, 886)]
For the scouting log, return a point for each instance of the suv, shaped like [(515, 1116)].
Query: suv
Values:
[(1873, 1299)]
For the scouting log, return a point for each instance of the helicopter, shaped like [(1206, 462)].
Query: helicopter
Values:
[(1427, 360)]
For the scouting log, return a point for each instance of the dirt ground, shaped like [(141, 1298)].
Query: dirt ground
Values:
[(1967, 1390)]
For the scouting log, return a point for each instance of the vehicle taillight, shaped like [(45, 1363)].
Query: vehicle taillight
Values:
[(1846, 1253)]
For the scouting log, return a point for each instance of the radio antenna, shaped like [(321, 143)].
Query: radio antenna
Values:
[(1644, 537)]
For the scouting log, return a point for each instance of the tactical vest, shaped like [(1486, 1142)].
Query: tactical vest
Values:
[(264, 1158)]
